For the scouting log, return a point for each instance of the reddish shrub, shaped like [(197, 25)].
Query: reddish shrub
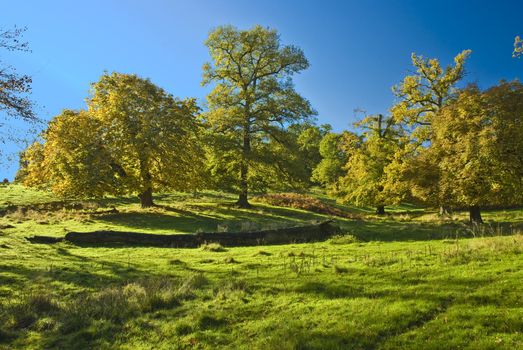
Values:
[(304, 202)]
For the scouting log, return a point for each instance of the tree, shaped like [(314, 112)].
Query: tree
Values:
[(133, 138), (477, 140), (252, 103), (518, 47), (14, 87), (365, 177), (309, 139), (30, 171), (333, 158), (72, 161), (421, 97)]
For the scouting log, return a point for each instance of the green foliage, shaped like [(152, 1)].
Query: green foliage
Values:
[(477, 142), (518, 47), (332, 149), (133, 138), (365, 179), (367, 289), (309, 138), (251, 105), (421, 97), (424, 93)]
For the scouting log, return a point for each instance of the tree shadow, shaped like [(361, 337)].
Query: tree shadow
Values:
[(161, 222), (206, 218)]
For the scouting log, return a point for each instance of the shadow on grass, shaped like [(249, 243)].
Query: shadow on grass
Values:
[(389, 231), (75, 328), (207, 218), (235, 220), (160, 221)]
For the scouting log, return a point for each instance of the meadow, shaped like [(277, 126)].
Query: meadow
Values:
[(408, 280)]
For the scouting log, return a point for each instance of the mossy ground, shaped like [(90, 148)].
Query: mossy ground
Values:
[(409, 280)]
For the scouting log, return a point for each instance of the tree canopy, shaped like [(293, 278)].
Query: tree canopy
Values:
[(363, 182), (518, 47), (252, 103), (333, 150), (440, 145), (479, 149), (133, 138), (421, 96)]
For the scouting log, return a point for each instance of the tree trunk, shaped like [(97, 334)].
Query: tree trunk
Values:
[(475, 215), (444, 210), (380, 210), (244, 168), (242, 201), (146, 198)]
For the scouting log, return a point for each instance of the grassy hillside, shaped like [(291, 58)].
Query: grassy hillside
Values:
[(408, 280)]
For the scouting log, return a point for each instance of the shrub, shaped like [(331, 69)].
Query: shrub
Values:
[(303, 202)]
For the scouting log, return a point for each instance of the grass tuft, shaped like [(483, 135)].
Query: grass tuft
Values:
[(230, 260), (344, 239), (340, 269), (212, 247), (263, 253)]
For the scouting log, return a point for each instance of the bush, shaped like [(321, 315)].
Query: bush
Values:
[(303, 202)]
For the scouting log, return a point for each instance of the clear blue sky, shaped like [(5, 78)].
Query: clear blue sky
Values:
[(357, 49)]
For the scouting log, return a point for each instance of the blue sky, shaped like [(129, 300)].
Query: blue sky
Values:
[(357, 49)]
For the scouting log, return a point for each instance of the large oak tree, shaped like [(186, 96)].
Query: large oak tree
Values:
[(368, 156), (477, 142), (252, 103), (134, 138), (421, 96)]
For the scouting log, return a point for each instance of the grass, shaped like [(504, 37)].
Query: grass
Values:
[(405, 281)]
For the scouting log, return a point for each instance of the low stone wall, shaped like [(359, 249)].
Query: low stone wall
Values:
[(300, 234)]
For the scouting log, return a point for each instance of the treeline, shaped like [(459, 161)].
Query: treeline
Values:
[(438, 144)]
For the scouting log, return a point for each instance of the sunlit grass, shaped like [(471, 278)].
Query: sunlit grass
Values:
[(404, 281)]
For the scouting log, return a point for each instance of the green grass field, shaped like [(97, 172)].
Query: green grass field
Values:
[(406, 281)]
